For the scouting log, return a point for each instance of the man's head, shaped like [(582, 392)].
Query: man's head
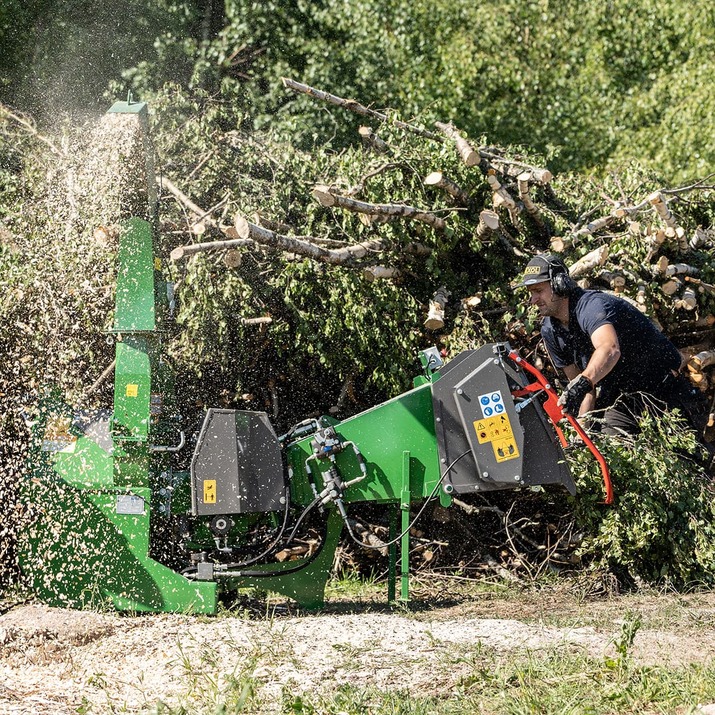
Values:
[(549, 284)]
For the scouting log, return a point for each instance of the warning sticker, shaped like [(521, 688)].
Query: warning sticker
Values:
[(497, 430), (209, 491), (505, 449), (132, 390)]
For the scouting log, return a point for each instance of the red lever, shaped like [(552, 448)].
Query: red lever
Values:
[(556, 414)]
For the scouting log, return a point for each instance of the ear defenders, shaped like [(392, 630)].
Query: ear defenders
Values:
[(561, 282)]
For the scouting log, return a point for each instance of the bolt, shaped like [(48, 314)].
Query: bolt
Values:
[(485, 474), (438, 419), (444, 461), (496, 362), (460, 391), (517, 478)]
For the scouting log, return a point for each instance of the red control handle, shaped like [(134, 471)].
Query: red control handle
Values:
[(556, 414)]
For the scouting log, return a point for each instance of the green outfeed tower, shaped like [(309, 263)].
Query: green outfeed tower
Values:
[(115, 521)]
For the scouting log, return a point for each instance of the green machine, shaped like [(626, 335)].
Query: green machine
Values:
[(113, 521)]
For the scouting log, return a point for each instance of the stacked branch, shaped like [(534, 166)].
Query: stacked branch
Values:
[(326, 196)]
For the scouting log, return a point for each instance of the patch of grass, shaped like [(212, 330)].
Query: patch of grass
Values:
[(544, 683)]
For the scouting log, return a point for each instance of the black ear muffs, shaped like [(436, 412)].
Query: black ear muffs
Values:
[(561, 282)]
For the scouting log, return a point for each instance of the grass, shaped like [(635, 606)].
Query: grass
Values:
[(543, 683), (465, 679)]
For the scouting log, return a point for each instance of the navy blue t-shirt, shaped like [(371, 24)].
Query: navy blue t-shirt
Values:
[(647, 356)]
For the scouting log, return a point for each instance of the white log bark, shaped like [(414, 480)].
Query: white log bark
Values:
[(435, 316), (374, 273), (438, 179), (343, 256), (327, 198), (589, 262), (468, 154)]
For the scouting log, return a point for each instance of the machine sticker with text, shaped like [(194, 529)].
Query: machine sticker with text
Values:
[(209, 491), (497, 430), (132, 390)]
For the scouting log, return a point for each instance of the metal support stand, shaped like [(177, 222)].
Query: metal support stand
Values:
[(405, 541)]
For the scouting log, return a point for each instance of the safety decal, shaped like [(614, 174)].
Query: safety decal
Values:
[(492, 404), (497, 430), (209, 491), (132, 390)]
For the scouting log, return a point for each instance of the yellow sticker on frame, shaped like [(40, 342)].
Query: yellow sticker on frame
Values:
[(209, 491), (132, 390)]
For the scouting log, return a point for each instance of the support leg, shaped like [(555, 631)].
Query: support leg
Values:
[(405, 497)]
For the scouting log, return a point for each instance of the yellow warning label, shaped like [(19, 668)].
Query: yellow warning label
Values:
[(505, 449), (132, 390), (209, 491), (497, 430)]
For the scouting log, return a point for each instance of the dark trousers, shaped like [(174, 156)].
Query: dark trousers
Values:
[(674, 392)]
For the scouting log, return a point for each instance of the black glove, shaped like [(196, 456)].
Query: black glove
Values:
[(572, 397)]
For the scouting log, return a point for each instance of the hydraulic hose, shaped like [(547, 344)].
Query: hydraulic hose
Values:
[(556, 414)]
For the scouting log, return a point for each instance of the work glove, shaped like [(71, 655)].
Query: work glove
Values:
[(573, 395)]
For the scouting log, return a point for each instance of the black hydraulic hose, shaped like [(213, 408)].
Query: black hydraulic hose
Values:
[(272, 545), (259, 574), (414, 521), (192, 570)]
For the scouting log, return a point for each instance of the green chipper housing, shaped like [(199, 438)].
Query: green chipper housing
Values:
[(115, 522)]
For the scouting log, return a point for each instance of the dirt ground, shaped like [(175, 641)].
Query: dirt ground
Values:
[(59, 661)]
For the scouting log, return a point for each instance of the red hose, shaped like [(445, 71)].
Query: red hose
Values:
[(556, 414)]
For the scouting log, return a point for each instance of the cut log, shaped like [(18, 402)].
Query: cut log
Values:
[(681, 269), (505, 198), (328, 198), (589, 262), (488, 224), (181, 252), (438, 179), (594, 226), (232, 258), (688, 301), (654, 241), (672, 286), (435, 316), (703, 359), (347, 256), (615, 281), (371, 141), (657, 200), (373, 273), (560, 243), (468, 154), (523, 181)]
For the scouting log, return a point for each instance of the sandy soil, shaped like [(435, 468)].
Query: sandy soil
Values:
[(57, 661)]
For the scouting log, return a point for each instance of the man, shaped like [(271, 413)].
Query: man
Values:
[(616, 360)]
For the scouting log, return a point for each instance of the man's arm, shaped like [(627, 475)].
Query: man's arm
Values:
[(606, 354)]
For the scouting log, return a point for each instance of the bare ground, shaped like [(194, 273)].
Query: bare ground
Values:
[(58, 661)]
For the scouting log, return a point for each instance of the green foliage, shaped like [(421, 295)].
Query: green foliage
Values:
[(661, 529)]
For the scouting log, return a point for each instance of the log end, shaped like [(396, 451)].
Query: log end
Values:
[(177, 254), (433, 179), (243, 228), (323, 195)]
